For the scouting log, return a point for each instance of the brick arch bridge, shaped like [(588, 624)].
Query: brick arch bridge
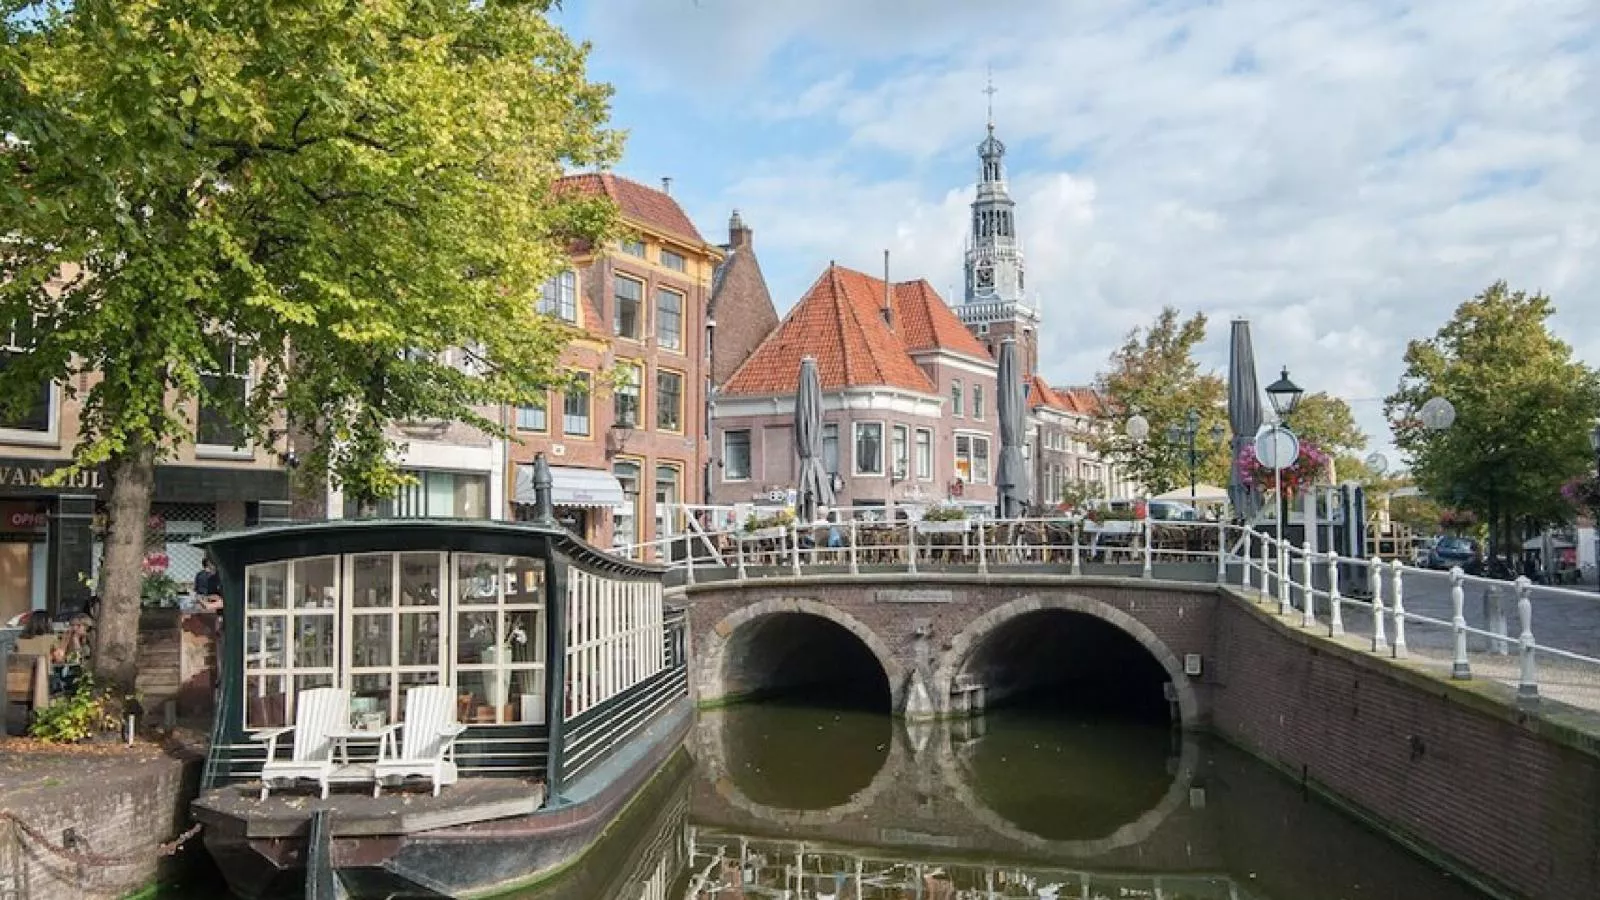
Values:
[(934, 640)]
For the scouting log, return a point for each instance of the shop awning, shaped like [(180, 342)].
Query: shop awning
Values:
[(572, 487)]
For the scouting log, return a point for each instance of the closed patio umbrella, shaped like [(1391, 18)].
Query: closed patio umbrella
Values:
[(1012, 475), (1244, 415), (815, 487)]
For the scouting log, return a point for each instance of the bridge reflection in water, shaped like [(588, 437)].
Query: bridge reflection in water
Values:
[(807, 804)]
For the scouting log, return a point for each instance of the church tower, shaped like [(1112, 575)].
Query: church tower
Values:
[(995, 303)]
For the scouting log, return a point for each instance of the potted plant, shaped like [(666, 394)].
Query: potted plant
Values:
[(771, 525), (1307, 467), (157, 590)]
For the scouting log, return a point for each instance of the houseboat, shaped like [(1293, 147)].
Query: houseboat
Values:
[(567, 693)]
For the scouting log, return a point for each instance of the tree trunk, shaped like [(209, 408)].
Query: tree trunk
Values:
[(132, 478)]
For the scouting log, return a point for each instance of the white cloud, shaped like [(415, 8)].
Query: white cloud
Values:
[(1344, 174)]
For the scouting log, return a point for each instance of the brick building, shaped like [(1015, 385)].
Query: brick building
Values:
[(742, 314), (629, 450), (908, 401)]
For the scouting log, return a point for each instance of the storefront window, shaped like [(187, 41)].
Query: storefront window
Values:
[(667, 512), (441, 495), (625, 518)]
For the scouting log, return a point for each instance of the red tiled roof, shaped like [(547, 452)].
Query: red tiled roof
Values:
[(924, 322), (1083, 400), (1041, 394), (640, 203), (840, 322)]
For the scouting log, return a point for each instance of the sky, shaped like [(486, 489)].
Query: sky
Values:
[(1343, 174)]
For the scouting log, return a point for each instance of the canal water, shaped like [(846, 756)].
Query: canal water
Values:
[(808, 803)]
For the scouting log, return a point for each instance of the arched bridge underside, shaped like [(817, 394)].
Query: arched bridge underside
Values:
[(953, 647)]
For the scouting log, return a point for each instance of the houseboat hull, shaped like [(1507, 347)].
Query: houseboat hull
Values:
[(485, 851)]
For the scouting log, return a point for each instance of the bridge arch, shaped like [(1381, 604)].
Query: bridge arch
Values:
[(721, 644), (965, 643)]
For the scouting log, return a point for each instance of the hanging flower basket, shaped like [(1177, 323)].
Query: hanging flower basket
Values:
[(1308, 466), (1457, 520), (1583, 493)]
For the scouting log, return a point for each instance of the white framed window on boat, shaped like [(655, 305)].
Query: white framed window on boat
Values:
[(291, 635), (500, 639), (394, 617), (615, 638)]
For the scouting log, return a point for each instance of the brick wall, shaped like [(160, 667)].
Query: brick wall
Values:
[(117, 807), (1453, 769)]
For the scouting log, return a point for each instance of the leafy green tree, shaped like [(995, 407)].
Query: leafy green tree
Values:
[(1523, 405), (1077, 493), (1154, 373), (1326, 421), (370, 184)]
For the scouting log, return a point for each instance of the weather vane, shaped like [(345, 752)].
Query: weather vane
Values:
[(990, 90)]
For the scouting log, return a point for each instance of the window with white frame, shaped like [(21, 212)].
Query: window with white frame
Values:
[(291, 634), (972, 458), (669, 400), (394, 620), (977, 401), (628, 399), (499, 639), (225, 387), (830, 449), (869, 448), (669, 319), (615, 638), (16, 342), (924, 454), (559, 297), (628, 314), (900, 451), (957, 403), (575, 406), (533, 417), (736, 455)]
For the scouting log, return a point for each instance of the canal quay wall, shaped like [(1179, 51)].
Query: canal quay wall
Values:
[(1505, 796), (91, 826)]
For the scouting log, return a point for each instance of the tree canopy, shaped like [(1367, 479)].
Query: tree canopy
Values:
[(1326, 421), (372, 186), (1524, 409), (1154, 373)]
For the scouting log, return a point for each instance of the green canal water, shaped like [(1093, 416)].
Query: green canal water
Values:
[(811, 803)]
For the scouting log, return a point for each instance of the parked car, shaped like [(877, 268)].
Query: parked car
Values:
[(1455, 551), (1423, 552)]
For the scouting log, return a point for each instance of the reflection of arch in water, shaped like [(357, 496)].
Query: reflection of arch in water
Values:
[(958, 780), (964, 645), (735, 628), (710, 753)]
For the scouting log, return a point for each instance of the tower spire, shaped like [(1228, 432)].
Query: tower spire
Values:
[(990, 90)]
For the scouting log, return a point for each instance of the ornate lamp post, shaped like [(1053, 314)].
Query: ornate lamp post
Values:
[(1189, 431), (1284, 395)]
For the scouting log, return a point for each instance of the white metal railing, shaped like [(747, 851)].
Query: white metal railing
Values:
[(1347, 596)]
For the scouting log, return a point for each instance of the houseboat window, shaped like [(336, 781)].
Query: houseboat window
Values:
[(291, 632), (615, 638), (394, 628), (499, 639)]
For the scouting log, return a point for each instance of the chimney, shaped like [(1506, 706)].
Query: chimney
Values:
[(888, 301), (738, 233), (666, 185)]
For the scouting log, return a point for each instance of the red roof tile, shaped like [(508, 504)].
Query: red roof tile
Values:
[(839, 321), (924, 322), (642, 204), (1041, 394)]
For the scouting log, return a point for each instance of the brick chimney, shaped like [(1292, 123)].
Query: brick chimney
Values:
[(739, 235)]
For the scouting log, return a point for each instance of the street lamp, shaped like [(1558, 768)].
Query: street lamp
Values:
[(1594, 513), (1189, 431), (1284, 395), (1137, 428)]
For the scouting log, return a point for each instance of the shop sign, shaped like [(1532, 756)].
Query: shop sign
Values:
[(23, 517), (30, 475)]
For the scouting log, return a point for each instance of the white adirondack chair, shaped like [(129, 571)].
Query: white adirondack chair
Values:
[(428, 738), (317, 712)]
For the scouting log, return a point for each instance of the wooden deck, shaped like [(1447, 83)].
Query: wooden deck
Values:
[(400, 811)]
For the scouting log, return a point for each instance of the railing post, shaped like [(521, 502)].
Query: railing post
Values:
[(1397, 587), (1308, 591), (1335, 602), (1265, 582), (1222, 551), (738, 544), (1284, 606), (1460, 669), (1494, 612), (911, 547), (855, 569), (688, 560), (1528, 680), (1244, 558), (983, 549), (1149, 534), (1375, 567), (794, 547), (1077, 531)]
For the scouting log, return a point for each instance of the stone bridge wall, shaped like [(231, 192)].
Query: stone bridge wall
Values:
[(922, 630)]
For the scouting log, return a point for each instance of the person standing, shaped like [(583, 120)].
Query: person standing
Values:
[(208, 586)]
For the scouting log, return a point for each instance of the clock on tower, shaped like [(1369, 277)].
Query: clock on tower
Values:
[(984, 277)]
